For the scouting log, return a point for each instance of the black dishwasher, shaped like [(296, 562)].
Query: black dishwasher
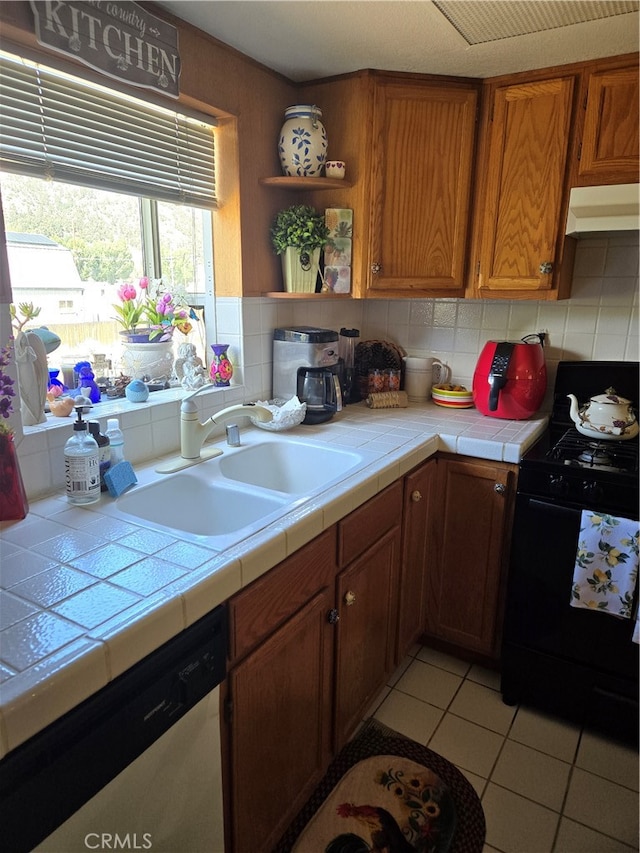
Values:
[(48, 778)]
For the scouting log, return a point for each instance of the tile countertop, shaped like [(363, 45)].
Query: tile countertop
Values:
[(85, 594)]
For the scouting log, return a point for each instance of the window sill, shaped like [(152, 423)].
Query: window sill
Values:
[(120, 407)]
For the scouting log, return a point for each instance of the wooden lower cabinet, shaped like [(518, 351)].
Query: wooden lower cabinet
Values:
[(280, 725), (465, 579), (279, 704), (313, 640), (306, 660), (366, 592), (418, 519)]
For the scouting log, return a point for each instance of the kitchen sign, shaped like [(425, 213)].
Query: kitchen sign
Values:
[(119, 39)]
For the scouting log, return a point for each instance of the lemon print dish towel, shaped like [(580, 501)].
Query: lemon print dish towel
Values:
[(606, 568)]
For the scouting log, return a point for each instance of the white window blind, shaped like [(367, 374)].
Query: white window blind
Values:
[(61, 127)]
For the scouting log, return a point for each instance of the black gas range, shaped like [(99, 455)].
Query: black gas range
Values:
[(576, 663), (569, 467)]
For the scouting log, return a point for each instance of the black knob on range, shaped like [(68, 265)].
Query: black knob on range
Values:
[(592, 490), (558, 485)]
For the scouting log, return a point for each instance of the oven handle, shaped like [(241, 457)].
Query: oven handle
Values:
[(549, 506), (524, 501)]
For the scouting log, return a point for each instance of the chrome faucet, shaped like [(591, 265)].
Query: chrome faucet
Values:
[(193, 434)]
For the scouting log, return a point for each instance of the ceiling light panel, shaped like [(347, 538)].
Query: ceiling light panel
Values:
[(493, 20)]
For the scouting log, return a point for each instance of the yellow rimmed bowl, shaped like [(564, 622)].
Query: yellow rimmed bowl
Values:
[(452, 396)]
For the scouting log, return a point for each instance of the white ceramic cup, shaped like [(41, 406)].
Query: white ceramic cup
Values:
[(334, 169), (420, 374), (441, 373)]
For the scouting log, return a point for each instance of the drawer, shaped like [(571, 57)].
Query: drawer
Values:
[(256, 612), (369, 523)]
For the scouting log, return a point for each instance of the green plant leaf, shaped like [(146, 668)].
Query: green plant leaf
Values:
[(300, 226)]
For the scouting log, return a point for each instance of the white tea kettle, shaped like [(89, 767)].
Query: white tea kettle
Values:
[(605, 416)]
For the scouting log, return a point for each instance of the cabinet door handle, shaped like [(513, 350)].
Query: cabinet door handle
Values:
[(500, 488), (416, 496), (546, 267), (376, 267), (333, 616), (349, 598)]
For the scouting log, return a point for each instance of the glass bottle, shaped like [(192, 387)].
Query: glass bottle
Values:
[(104, 451), (81, 465), (13, 497)]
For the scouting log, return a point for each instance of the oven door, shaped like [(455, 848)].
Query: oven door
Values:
[(572, 661)]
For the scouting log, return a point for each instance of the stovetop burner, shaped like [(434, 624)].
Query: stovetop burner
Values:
[(574, 449), (595, 454)]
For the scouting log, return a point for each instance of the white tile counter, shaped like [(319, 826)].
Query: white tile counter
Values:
[(85, 595)]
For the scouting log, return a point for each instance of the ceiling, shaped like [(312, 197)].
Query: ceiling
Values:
[(307, 39)]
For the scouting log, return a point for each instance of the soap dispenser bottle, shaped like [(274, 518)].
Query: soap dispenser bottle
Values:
[(81, 465)]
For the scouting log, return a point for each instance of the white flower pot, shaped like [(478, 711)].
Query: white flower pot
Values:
[(148, 361)]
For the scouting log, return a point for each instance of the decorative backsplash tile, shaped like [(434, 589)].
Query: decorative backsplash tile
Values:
[(337, 254), (338, 279)]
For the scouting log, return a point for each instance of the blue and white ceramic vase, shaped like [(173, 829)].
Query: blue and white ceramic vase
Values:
[(303, 142), (221, 369)]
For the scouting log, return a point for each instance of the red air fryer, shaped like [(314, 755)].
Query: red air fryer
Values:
[(510, 378)]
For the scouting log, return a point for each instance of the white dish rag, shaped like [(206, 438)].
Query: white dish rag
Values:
[(606, 568)]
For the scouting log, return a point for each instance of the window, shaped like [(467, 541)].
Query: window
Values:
[(99, 188), (71, 247)]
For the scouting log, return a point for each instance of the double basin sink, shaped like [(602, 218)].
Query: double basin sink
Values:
[(231, 496)]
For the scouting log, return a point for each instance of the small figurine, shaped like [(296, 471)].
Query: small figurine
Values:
[(87, 386), (59, 406), (189, 368)]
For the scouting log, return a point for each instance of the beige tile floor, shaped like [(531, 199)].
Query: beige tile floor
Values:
[(545, 785)]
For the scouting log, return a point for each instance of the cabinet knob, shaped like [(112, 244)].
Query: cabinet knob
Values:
[(349, 598), (500, 488), (416, 496), (546, 267), (333, 616), (375, 268)]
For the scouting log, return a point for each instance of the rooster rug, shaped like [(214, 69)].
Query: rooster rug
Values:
[(385, 793)]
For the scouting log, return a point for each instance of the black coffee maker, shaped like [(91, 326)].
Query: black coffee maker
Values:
[(319, 388)]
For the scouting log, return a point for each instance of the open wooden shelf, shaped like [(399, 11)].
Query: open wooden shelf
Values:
[(281, 294), (286, 182)]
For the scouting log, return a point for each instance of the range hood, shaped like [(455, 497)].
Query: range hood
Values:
[(610, 208)]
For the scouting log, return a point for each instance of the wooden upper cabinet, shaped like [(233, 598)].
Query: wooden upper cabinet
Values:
[(421, 159), (608, 151), (522, 202)]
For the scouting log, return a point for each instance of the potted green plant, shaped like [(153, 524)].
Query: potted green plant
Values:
[(297, 234)]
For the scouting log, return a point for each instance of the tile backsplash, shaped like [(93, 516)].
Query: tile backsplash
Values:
[(599, 321)]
